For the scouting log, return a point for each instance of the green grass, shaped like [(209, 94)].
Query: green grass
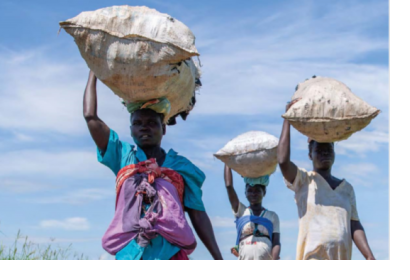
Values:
[(23, 249)]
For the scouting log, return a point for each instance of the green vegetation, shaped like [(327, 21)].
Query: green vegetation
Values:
[(23, 249)]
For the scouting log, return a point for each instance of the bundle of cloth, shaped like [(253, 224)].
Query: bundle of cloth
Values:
[(139, 221)]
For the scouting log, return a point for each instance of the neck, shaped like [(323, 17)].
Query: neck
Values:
[(325, 173), (153, 152), (256, 207)]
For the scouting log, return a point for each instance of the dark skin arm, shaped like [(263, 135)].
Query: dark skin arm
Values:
[(288, 168), (359, 238), (233, 197), (276, 247), (203, 228), (99, 131)]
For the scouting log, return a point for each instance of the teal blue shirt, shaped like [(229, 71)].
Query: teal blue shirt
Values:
[(120, 154)]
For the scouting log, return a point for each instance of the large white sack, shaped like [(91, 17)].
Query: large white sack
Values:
[(328, 110), (252, 154), (139, 53)]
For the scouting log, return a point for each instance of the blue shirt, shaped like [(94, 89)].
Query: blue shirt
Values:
[(120, 154)]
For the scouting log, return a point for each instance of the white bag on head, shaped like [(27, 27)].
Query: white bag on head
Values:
[(252, 154)]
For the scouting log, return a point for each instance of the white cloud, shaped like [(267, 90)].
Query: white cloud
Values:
[(362, 142), (50, 96), (75, 223), (289, 224), (81, 196), (51, 164), (263, 67), (363, 168), (24, 186), (22, 137), (206, 161), (47, 240), (359, 173), (38, 94), (260, 66), (222, 222)]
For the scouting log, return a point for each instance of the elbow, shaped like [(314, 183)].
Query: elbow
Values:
[(282, 160), (229, 185), (89, 117)]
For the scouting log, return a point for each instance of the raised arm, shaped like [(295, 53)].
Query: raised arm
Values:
[(288, 168), (99, 131), (359, 238), (233, 197)]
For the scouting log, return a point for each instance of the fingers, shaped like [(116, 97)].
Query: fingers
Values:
[(294, 101), (290, 104)]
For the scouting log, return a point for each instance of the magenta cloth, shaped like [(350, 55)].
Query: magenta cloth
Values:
[(165, 216)]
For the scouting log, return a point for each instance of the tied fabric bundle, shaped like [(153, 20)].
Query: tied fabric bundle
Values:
[(160, 105), (263, 180), (164, 188)]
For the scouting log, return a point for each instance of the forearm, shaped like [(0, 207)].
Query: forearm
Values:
[(99, 131), (359, 238), (276, 252), (284, 144), (228, 176), (203, 228), (90, 98), (233, 197), (275, 245), (287, 167)]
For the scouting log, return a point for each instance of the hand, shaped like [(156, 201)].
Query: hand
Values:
[(290, 104), (92, 76), (234, 252)]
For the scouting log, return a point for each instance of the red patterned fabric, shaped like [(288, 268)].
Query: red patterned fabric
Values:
[(180, 256), (151, 168)]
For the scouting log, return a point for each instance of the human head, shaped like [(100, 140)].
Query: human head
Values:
[(147, 128), (322, 155), (255, 193)]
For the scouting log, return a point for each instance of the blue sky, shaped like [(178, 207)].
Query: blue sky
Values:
[(253, 55)]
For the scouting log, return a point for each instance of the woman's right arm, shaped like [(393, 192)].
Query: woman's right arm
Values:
[(288, 168), (99, 131), (233, 197)]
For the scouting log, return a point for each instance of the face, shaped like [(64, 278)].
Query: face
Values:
[(254, 194), (322, 155), (147, 128)]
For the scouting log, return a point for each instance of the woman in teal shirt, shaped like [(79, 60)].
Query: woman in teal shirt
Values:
[(147, 130)]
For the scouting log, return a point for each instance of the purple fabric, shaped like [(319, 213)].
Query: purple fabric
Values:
[(165, 216)]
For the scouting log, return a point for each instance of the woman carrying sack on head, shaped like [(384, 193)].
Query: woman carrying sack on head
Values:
[(258, 228)]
